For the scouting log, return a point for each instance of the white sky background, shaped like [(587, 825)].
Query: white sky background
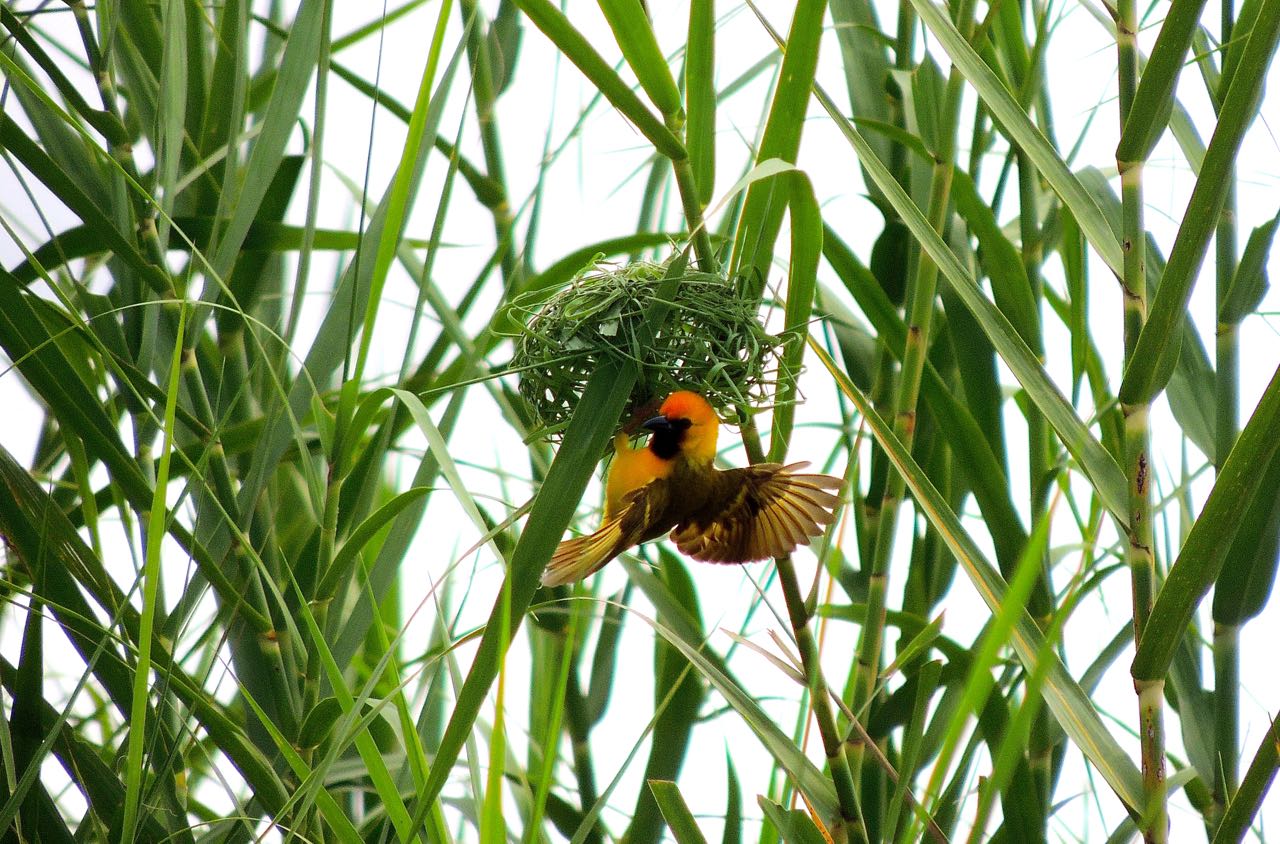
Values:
[(592, 192)]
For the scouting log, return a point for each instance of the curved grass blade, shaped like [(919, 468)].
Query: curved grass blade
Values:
[(1153, 101), (1249, 573), (103, 121), (792, 826), (1244, 807), (762, 209), (678, 699), (816, 787), (350, 305), (589, 430), (634, 33), (244, 190), (263, 237), (428, 111), (1009, 285), (69, 563), (1205, 549), (150, 598), (1095, 461), (604, 659), (362, 535), (700, 96), (63, 185), (866, 64), (1070, 705), (1157, 349), (977, 459), (1249, 285), (578, 49), (592, 424), (56, 379), (1014, 120), (676, 812), (802, 281), (980, 684), (100, 784)]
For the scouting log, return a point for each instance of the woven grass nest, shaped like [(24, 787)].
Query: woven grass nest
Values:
[(711, 341)]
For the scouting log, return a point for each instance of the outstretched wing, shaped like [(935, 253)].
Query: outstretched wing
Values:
[(764, 511), (638, 513)]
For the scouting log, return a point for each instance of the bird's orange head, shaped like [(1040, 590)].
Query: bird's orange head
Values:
[(686, 424)]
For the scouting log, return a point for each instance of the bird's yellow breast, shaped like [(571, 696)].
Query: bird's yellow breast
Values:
[(631, 469)]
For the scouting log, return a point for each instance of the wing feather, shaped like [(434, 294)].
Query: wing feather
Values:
[(791, 517), (764, 511), (778, 534)]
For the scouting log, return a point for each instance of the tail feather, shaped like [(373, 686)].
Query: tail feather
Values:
[(583, 556)]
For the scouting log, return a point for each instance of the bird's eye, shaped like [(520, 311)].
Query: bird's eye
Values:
[(681, 424)]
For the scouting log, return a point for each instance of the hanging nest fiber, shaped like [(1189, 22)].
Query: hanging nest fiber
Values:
[(710, 341)]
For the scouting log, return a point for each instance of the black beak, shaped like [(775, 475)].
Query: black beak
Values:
[(657, 423)]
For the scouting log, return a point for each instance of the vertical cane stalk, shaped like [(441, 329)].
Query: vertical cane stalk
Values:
[(921, 296), (1044, 733), (1137, 442), (1226, 636)]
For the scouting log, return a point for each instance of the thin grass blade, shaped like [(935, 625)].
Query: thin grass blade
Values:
[(1205, 550), (1070, 705)]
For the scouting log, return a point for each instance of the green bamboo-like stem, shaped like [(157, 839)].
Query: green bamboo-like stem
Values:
[(903, 60), (566, 711), (316, 152), (1137, 443), (1136, 416), (1043, 733), (750, 436), (273, 644), (203, 411), (144, 224), (1226, 713), (920, 305), (1243, 811), (1227, 357), (229, 509), (914, 354), (871, 637), (688, 188), (244, 406), (1038, 454), (144, 216), (1141, 561), (881, 396), (1226, 637), (324, 558), (1226, 653), (483, 93), (270, 642), (1155, 816)]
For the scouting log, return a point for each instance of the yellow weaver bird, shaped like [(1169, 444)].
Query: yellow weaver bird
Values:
[(733, 516)]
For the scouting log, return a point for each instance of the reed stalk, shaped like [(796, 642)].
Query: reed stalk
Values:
[(1140, 552)]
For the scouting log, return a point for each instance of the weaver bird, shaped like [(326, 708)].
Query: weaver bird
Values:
[(733, 516)]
